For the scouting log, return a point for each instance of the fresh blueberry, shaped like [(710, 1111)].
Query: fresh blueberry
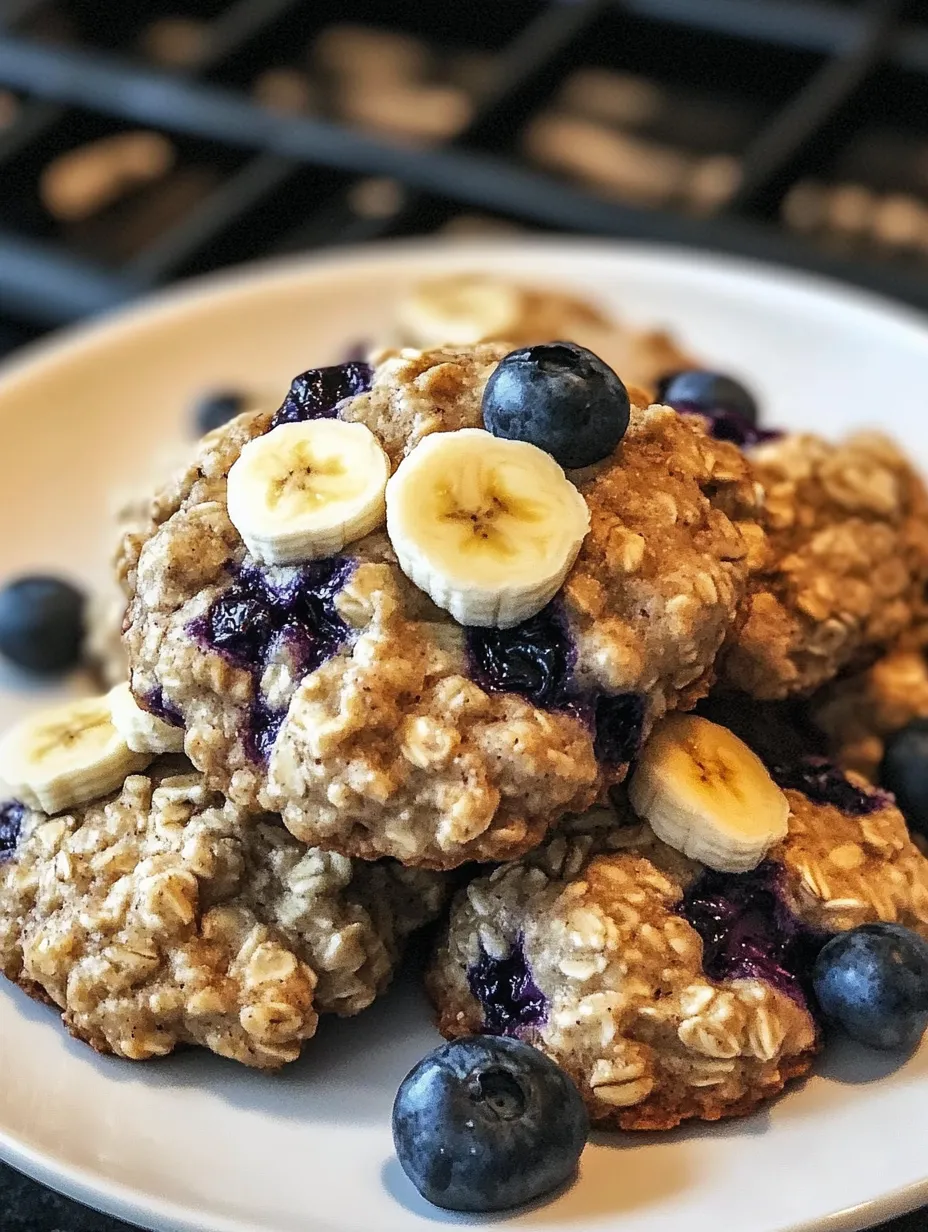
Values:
[(706, 393), (560, 397), (731, 410), (41, 623), (904, 772), (215, 409), (873, 982), (484, 1124)]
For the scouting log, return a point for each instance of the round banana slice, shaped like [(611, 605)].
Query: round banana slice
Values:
[(68, 756), (142, 731), (705, 793), (489, 528), (304, 490), (461, 311)]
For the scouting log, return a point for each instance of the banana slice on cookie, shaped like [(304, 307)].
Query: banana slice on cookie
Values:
[(142, 731), (461, 311), (705, 793), (304, 490), (67, 756), (489, 528)]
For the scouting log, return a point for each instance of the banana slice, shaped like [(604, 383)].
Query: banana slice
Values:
[(60, 758), (707, 794), (142, 731), (304, 490), (461, 311), (489, 528)]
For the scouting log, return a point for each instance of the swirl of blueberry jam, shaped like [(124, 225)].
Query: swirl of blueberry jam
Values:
[(824, 783), (536, 660), (318, 392), (748, 932), (258, 621), (511, 1000), (12, 813)]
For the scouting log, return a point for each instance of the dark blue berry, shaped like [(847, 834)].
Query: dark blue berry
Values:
[(904, 772), (560, 397), (215, 409), (873, 982), (707, 393), (534, 659), (41, 623), (485, 1124), (510, 998), (262, 618), (824, 783), (156, 703), (747, 930), (731, 410), (317, 393), (11, 820)]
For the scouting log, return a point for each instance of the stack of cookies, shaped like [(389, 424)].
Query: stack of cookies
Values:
[(526, 605)]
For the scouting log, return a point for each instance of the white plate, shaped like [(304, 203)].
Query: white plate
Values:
[(195, 1142)]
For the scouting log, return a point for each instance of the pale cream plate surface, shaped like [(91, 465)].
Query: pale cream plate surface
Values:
[(195, 1142)]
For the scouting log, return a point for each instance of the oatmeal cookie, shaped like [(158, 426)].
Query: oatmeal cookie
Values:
[(162, 916), (857, 713), (666, 990), (469, 309), (848, 559), (338, 695)]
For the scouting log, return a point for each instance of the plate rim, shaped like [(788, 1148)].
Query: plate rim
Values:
[(132, 1204)]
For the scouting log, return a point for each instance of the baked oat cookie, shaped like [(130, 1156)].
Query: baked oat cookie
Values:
[(339, 695), (847, 531), (162, 915), (857, 713), (471, 308), (666, 990)]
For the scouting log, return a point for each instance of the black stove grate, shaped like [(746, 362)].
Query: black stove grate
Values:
[(160, 138)]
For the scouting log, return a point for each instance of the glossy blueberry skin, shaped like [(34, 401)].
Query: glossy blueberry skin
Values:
[(41, 623), (873, 982), (560, 397), (511, 1000), (217, 408), (707, 393), (485, 1124), (904, 772), (318, 392)]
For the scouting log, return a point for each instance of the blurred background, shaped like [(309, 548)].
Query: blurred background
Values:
[(142, 141)]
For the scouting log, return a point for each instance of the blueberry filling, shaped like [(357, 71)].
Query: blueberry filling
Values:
[(157, 704), (511, 1000), (618, 720), (259, 621), (536, 659), (748, 932), (317, 393), (11, 820), (823, 783)]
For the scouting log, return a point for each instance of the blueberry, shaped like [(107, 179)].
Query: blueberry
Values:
[(534, 659), (618, 718), (560, 397), (822, 782), (873, 982), (904, 771), (12, 813), (706, 393), (507, 991), (484, 1124), (41, 623), (316, 393), (215, 409)]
